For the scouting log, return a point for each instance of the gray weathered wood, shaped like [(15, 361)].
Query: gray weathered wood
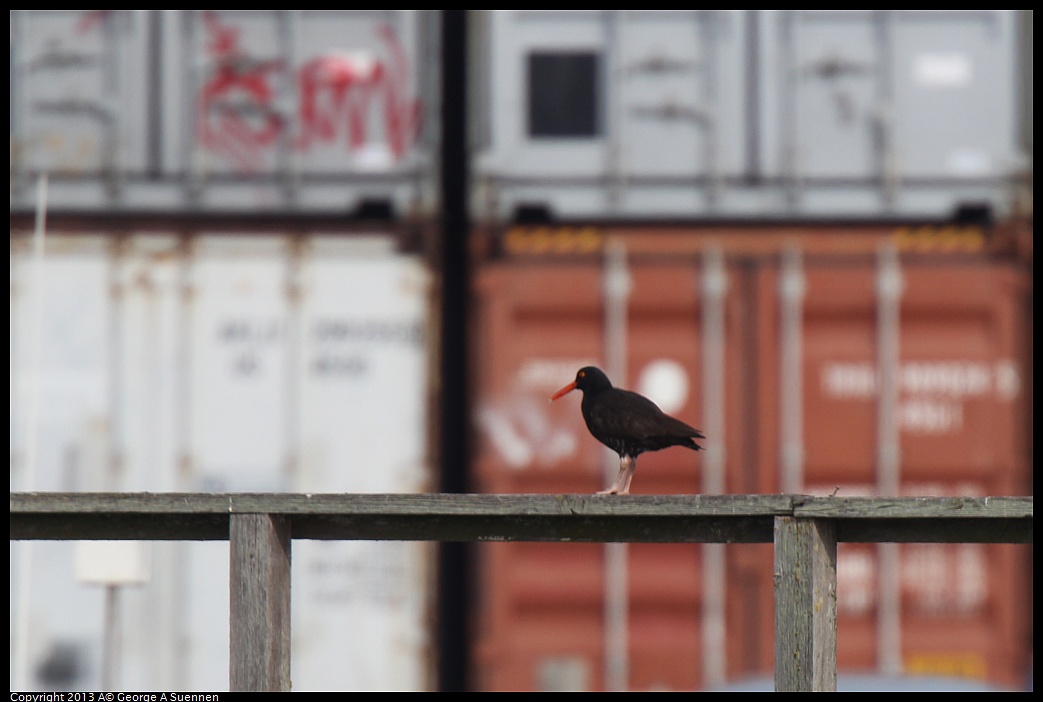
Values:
[(664, 518), (434, 517), (259, 627), (805, 581), (259, 526), (692, 518), (923, 519), (843, 507)]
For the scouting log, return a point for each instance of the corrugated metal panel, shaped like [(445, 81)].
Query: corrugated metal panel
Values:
[(541, 623), (961, 400), (960, 406), (667, 96), (751, 113), (222, 110), (553, 317), (746, 113), (196, 362), (908, 111)]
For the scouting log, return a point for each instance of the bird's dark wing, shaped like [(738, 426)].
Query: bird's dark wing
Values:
[(635, 418)]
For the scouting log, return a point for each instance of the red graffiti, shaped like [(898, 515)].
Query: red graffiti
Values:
[(330, 84), (346, 86), (401, 113), (91, 19), (337, 93), (235, 117)]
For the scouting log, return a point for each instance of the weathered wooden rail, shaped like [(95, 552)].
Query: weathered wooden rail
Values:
[(260, 527)]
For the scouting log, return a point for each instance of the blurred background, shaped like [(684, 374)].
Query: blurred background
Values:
[(808, 233)]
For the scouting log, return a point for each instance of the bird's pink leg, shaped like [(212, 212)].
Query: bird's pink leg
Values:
[(631, 467), (624, 469)]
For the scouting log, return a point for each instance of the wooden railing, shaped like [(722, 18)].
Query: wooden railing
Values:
[(260, 528)]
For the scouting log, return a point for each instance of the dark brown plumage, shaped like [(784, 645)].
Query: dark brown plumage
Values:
[(627, 423)]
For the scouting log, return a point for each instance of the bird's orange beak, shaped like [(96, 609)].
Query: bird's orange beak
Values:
[(564, 391)]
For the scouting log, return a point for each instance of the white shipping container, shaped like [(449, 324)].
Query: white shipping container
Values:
[(222, 363)]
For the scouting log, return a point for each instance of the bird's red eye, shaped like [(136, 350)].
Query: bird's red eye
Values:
[(582, 374)]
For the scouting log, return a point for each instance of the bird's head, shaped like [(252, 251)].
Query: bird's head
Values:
[(587, 378)]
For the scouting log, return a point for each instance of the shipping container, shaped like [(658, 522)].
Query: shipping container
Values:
[(792, 348), (958, 408), (207, 110), (575, 113), (265, 360), (749, 113)]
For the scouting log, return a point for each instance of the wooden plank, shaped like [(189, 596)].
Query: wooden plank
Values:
[(259, 604), (918, 507), (116, 515), (664, 518), (805, 580), (805, 531), (397, 503), (441, 517), (119, 525), (924, 519), (923, 531)]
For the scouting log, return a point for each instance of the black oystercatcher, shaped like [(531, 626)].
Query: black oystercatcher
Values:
[(627, 423)]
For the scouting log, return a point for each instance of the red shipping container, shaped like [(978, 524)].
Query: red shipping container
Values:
[(961, 403), (961, 414)]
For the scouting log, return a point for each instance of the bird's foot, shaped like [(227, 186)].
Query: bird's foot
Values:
[(611, 491)]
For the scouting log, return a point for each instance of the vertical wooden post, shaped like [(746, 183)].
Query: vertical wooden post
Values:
[(805, 605), (259, 659)]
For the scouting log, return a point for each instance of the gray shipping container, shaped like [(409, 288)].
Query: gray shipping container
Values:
[(218, 363), (748, 113), (167, 110)]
